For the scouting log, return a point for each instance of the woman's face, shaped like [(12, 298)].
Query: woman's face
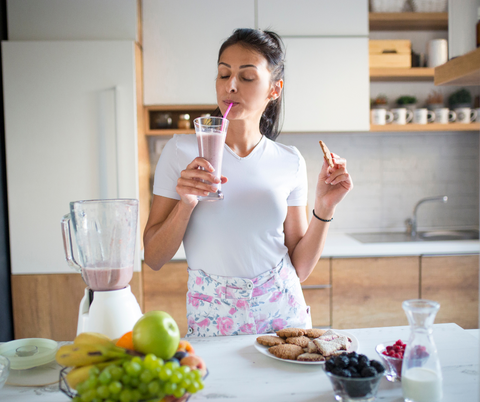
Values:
[(243, 79)]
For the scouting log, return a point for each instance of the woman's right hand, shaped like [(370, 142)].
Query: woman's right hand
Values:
[(190, 184)]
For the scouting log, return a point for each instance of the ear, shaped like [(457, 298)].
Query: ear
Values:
[(276, 90)]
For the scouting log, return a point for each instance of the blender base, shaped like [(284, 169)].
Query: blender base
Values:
[(111, 312)]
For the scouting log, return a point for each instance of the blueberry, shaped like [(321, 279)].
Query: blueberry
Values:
[(356, 375), (337, 371), (353, 354), (346, 373), (329, 364), (180, 355), (362, 359), (377, 365), (341, 361), (368, 371), (353, 362), (352, 369), (173, 359)]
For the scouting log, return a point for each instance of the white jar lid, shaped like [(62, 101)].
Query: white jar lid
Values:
[(29, 352)]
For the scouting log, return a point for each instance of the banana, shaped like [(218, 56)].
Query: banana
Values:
[(80, 374), (83, 355), (92, 338)]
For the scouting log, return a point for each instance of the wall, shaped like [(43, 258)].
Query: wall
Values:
[(392, 171)]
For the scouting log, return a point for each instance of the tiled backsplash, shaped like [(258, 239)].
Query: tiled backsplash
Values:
[(392, 171)]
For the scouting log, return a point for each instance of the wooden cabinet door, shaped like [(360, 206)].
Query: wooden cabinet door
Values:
[(368, 292), (316, 289), (453, 282), (166, 290)]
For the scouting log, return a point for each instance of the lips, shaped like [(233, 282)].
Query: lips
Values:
[(227, 102)]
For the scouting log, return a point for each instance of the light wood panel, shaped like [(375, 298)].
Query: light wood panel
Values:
[(46, 306), (462, 70), (401, 74), (317, 292), (368, 292), (408, 21), (453, 282), (166, 290)]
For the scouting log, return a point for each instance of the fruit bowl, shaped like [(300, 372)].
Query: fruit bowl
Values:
[(393, 364), (355, 389)]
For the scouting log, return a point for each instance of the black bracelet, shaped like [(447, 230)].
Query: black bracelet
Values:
[(323, 220)]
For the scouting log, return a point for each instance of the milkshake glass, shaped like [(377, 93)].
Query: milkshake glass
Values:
[(211, 133)]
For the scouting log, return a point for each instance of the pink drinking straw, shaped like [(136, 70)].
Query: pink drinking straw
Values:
[(226, 114)]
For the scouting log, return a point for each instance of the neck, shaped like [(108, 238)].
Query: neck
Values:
[(242, 138)]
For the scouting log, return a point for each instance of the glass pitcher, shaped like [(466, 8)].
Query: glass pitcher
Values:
[(105, 233), (421, 371)]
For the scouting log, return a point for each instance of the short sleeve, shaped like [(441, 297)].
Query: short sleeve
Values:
[(298, 195), (167, 171)]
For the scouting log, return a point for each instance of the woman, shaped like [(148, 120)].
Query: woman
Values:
[(248, 253)]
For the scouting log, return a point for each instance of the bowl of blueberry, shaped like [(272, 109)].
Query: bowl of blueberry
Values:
[(354, 377)]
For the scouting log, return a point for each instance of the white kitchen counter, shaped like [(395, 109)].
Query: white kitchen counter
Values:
[(341, 245)]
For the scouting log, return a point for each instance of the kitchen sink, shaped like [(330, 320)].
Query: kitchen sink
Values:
[(398, 237)]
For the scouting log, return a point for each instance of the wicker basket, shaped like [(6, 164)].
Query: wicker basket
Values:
[(430, 6), (387, 6)]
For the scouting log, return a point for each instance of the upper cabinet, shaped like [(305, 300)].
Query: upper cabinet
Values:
[(314, 18), (319, 78), (181, 40), (36, 20)]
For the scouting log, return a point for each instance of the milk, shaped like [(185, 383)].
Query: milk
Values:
[(211, 147), (421, 385), (101, 278)]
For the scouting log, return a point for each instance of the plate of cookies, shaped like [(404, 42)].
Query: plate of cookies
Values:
[(306, 346)]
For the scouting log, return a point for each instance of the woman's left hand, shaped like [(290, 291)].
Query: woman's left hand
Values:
[(333, 184)]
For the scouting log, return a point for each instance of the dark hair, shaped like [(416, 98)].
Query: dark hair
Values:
[(269, 45)]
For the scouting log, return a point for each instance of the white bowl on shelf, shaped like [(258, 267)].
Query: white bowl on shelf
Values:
[(387, 6), (429, 6)]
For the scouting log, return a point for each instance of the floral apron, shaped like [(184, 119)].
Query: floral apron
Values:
[(224, 305)]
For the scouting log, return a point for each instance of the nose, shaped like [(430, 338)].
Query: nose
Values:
[(231, 85)]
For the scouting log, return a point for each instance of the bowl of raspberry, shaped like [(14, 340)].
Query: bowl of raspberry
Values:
[(391, 354), (354, 377)]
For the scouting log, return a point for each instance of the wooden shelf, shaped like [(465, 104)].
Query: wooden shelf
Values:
[(425, 127), (462, 70), (401, 74), (408, 21), (174, 110)]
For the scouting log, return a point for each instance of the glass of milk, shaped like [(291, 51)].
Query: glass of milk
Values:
[(421, 371)]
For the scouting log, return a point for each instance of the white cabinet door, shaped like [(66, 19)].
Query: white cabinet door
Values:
[(181, 40), (326, 85), (314, 17), (72, 19), (70, 122)]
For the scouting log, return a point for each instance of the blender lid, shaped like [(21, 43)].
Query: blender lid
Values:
[(29, 352)]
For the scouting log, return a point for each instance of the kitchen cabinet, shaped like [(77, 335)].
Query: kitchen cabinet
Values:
[(368, 292), (453, 282), (320, 81), (317, 292), (314, 18), (181, 40)]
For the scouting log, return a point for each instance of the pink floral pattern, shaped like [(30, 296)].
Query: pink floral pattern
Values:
[(218, 306)]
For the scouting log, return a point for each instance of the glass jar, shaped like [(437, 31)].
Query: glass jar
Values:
[(421, 371), (184, 121)]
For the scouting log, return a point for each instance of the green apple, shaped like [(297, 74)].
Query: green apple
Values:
[(156, 332)]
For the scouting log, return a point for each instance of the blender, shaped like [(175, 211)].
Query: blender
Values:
[(105, 235)]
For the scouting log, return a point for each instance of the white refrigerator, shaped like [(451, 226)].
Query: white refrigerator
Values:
[(71, 134)]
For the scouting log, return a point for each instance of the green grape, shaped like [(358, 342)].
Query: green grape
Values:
[(197, 374), (116, 373), (143, 388), (134, 368), (82, 387), (165, 373), (105, 377), (136, 395), (88, 395), (184, 369), (91, 383), (193, 387), (154, 387), (97, 400), (179, 392), (115, 387), (151, 361), (76, 399), (201, 386), (170, 388), (176, 377), (125, 379), (138, 360), (134, 382), (146, 376), (125, 395), (172, 365), (185, 383), (94, 371), (103, 391)]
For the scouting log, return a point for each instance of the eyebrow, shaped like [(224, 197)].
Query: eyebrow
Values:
[(243, 66)]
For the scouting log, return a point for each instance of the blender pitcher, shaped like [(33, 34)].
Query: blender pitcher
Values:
[(105, 234)]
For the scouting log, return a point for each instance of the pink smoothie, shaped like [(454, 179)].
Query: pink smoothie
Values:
[(210, 147), (107, 278)]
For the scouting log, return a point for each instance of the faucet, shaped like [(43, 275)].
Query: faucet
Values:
[(411, 223)]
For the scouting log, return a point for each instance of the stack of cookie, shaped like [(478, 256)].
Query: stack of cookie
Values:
[(309, 345)]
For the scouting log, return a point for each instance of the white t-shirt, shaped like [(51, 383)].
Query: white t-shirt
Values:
[(242, 235)]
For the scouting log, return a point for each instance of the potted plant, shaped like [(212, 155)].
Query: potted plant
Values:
[(407, 101), (459, 99), (380, 102), (434, 100)]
